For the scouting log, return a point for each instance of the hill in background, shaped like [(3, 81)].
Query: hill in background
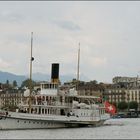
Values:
[(4, 76)]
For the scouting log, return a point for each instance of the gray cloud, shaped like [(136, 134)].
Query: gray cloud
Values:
[(69, 25), (9, 16)]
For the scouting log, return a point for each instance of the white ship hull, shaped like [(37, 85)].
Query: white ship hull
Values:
[(10, 123), (31, 121)]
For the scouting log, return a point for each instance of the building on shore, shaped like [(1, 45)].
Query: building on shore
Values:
[(127, 81), (125, 89), (10, 98)]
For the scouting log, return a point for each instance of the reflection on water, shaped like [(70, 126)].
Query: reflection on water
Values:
[(129, 130)]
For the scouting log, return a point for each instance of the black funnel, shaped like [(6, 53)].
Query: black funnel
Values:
[(55, 73)]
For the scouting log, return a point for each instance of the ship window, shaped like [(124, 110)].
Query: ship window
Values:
[(24, 121), (45, 111), (42, 111), (46, 98), (18, 121)]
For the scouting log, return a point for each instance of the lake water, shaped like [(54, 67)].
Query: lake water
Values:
[(129, 130)]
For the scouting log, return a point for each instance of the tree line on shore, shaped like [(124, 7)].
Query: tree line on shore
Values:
[(126, 106)]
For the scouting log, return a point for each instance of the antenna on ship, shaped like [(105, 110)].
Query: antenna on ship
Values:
[(78, 66), (30, 80)]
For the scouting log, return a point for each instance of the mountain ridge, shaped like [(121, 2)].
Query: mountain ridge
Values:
[(4, 76)]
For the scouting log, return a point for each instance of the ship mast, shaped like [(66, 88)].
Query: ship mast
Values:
[(30, 80), (78, 67)]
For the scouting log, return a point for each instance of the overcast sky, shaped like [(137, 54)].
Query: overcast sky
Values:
[(109, 34)]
